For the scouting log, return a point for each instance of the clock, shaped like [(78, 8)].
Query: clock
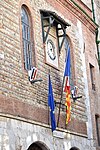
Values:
[(51, 53), (51, 49)]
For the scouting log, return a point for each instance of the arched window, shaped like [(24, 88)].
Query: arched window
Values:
[(26, 30), (74, 148), (34, 147), (38, 146)]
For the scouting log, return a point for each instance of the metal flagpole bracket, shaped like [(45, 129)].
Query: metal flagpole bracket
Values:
[(57, 103), (74, 94), (36, 80), (75, 98)]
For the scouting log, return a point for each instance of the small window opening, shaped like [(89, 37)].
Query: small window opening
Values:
[(92, 77), (97, 119)]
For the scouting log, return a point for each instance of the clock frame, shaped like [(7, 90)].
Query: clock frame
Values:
[(51, 52)]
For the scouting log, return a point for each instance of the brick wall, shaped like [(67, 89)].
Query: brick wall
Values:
[(17, 95)]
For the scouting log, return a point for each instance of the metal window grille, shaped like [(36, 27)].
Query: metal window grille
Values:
[(27, 50)]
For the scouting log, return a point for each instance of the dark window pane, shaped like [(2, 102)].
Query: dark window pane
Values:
[(26, 39), (98, 128), (92, 76)]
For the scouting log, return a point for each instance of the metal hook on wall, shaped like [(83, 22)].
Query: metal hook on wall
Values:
[(74, 93)]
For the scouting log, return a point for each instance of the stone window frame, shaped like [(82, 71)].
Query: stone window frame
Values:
[(38, 145), (74, 148), (97, 128), (92, 77)]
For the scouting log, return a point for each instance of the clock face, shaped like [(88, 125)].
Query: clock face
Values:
[(51, 49), (51, 52)]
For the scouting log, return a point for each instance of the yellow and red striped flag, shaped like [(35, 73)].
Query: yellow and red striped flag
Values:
[(68, 101), (67, 88)]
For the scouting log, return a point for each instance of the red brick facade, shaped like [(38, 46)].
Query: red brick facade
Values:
[(17, 96)]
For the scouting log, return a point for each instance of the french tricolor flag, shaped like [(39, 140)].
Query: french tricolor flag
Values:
[(32, 74)]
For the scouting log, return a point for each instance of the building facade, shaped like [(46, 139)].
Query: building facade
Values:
[(38, 33)]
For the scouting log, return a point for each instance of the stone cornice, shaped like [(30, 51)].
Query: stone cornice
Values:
[(79, 13), (3, 115), (86, 8)]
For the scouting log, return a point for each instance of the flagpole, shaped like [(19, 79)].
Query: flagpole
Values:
[(48, 105), (62, 89), (60, 100), (48, 116)]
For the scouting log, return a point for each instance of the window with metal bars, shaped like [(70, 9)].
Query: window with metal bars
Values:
[(26, 39)]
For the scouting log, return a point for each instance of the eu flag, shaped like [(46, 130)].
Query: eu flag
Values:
[(51, 106)]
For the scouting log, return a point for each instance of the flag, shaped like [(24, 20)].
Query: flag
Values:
[(32, 73), (51, 106), (67, 87)]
